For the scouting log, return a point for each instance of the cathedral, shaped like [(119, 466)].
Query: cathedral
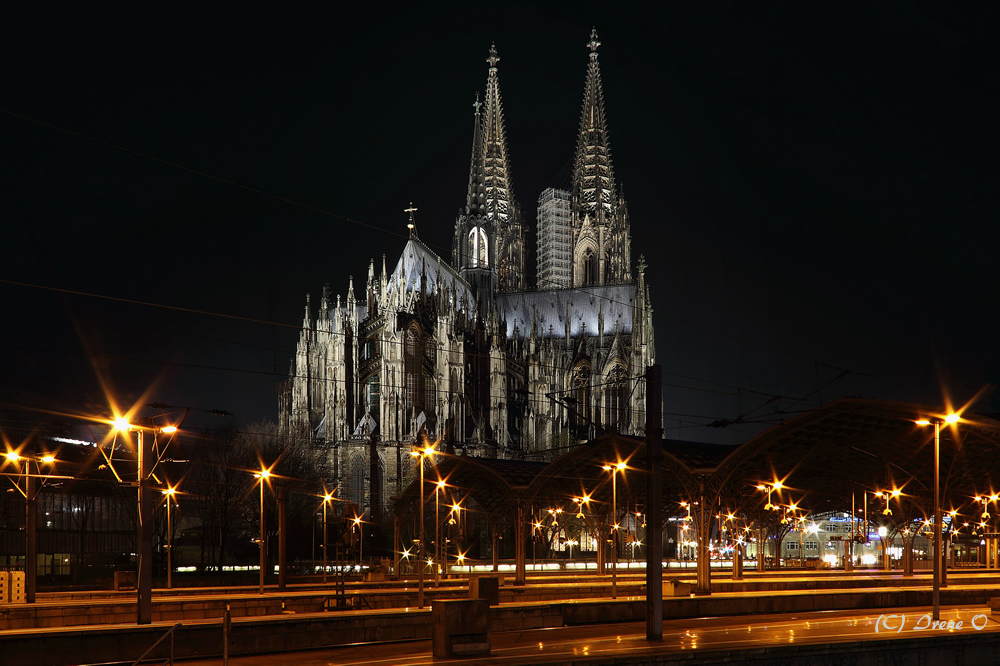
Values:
[(474, 351)]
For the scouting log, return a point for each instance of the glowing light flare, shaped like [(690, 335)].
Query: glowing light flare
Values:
[(169, 429), (13, 456), (121, 424), (48, 459)]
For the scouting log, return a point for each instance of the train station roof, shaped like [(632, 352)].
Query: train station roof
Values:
[(821, 458)]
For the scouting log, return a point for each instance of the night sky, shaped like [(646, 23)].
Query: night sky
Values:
[(814, 191)]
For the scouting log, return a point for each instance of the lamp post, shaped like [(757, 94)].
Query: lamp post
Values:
[(991, 550), (170, 492), (951, 418), (361, 539), (438, 487), (327, 498), (614, 469), (420, 454), (263, 475), (30, 492), (776, 486), (144, 571)]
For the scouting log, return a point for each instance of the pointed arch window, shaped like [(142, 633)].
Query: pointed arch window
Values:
[(357, 494), (580, 393), (616, 410), (589, 268), (412, 368), (373, 397), (479, 249)]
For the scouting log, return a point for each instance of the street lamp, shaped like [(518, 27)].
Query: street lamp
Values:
[(31, 489), (361, 539), (614, 469), (144, 573), (264, 475), (438, 488), (421, 454), (327, 498), (170, 492), (936, 422)]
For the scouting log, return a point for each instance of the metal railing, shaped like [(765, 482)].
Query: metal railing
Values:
[(170, 633)]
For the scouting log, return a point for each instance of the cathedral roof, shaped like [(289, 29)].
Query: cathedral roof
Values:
[(584, 306), (418, 260)]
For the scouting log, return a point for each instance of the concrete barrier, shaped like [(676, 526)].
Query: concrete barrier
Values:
[(124, 580), (675, 588), (485, 587), (461, 627)]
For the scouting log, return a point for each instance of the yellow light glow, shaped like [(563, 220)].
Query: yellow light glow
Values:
[(265, 473), (168, 429), (170, 491), (621, 465), (327, 497), (441, 484), (48, 459), (952, 418), (778, 485), (922, 422), (122, 424), (12, 456), (606, 468)]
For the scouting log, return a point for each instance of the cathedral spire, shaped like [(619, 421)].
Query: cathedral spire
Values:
[(499, 197), (593, 174), (475, 203)]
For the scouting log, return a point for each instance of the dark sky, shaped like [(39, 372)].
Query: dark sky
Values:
[(814, 191)]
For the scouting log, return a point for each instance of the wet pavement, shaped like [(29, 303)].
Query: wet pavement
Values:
[(626, 642)]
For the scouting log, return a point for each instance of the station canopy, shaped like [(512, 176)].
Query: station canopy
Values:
[(823, 458)]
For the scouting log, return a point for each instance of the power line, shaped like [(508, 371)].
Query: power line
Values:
[(322, 211)]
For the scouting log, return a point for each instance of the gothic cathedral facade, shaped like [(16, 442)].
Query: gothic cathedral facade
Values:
[(464, 352)]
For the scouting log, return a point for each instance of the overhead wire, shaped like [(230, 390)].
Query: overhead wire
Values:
[(350, 220)]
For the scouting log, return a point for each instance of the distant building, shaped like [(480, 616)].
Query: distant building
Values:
[(463, 351)]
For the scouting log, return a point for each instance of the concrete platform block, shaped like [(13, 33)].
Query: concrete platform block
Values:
[(485, 587), (461, 627)]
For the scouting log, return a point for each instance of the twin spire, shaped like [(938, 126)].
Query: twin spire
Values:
[(490, 193), (593, 173)]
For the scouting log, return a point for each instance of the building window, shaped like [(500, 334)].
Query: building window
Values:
[(589, 268), (358, 481), (616, 398), (412, 353), (373, 397), (581, 397), (479, 249)]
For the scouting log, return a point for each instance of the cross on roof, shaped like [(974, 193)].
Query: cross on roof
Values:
[(411, 210), (593, 43), (494, 58)]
